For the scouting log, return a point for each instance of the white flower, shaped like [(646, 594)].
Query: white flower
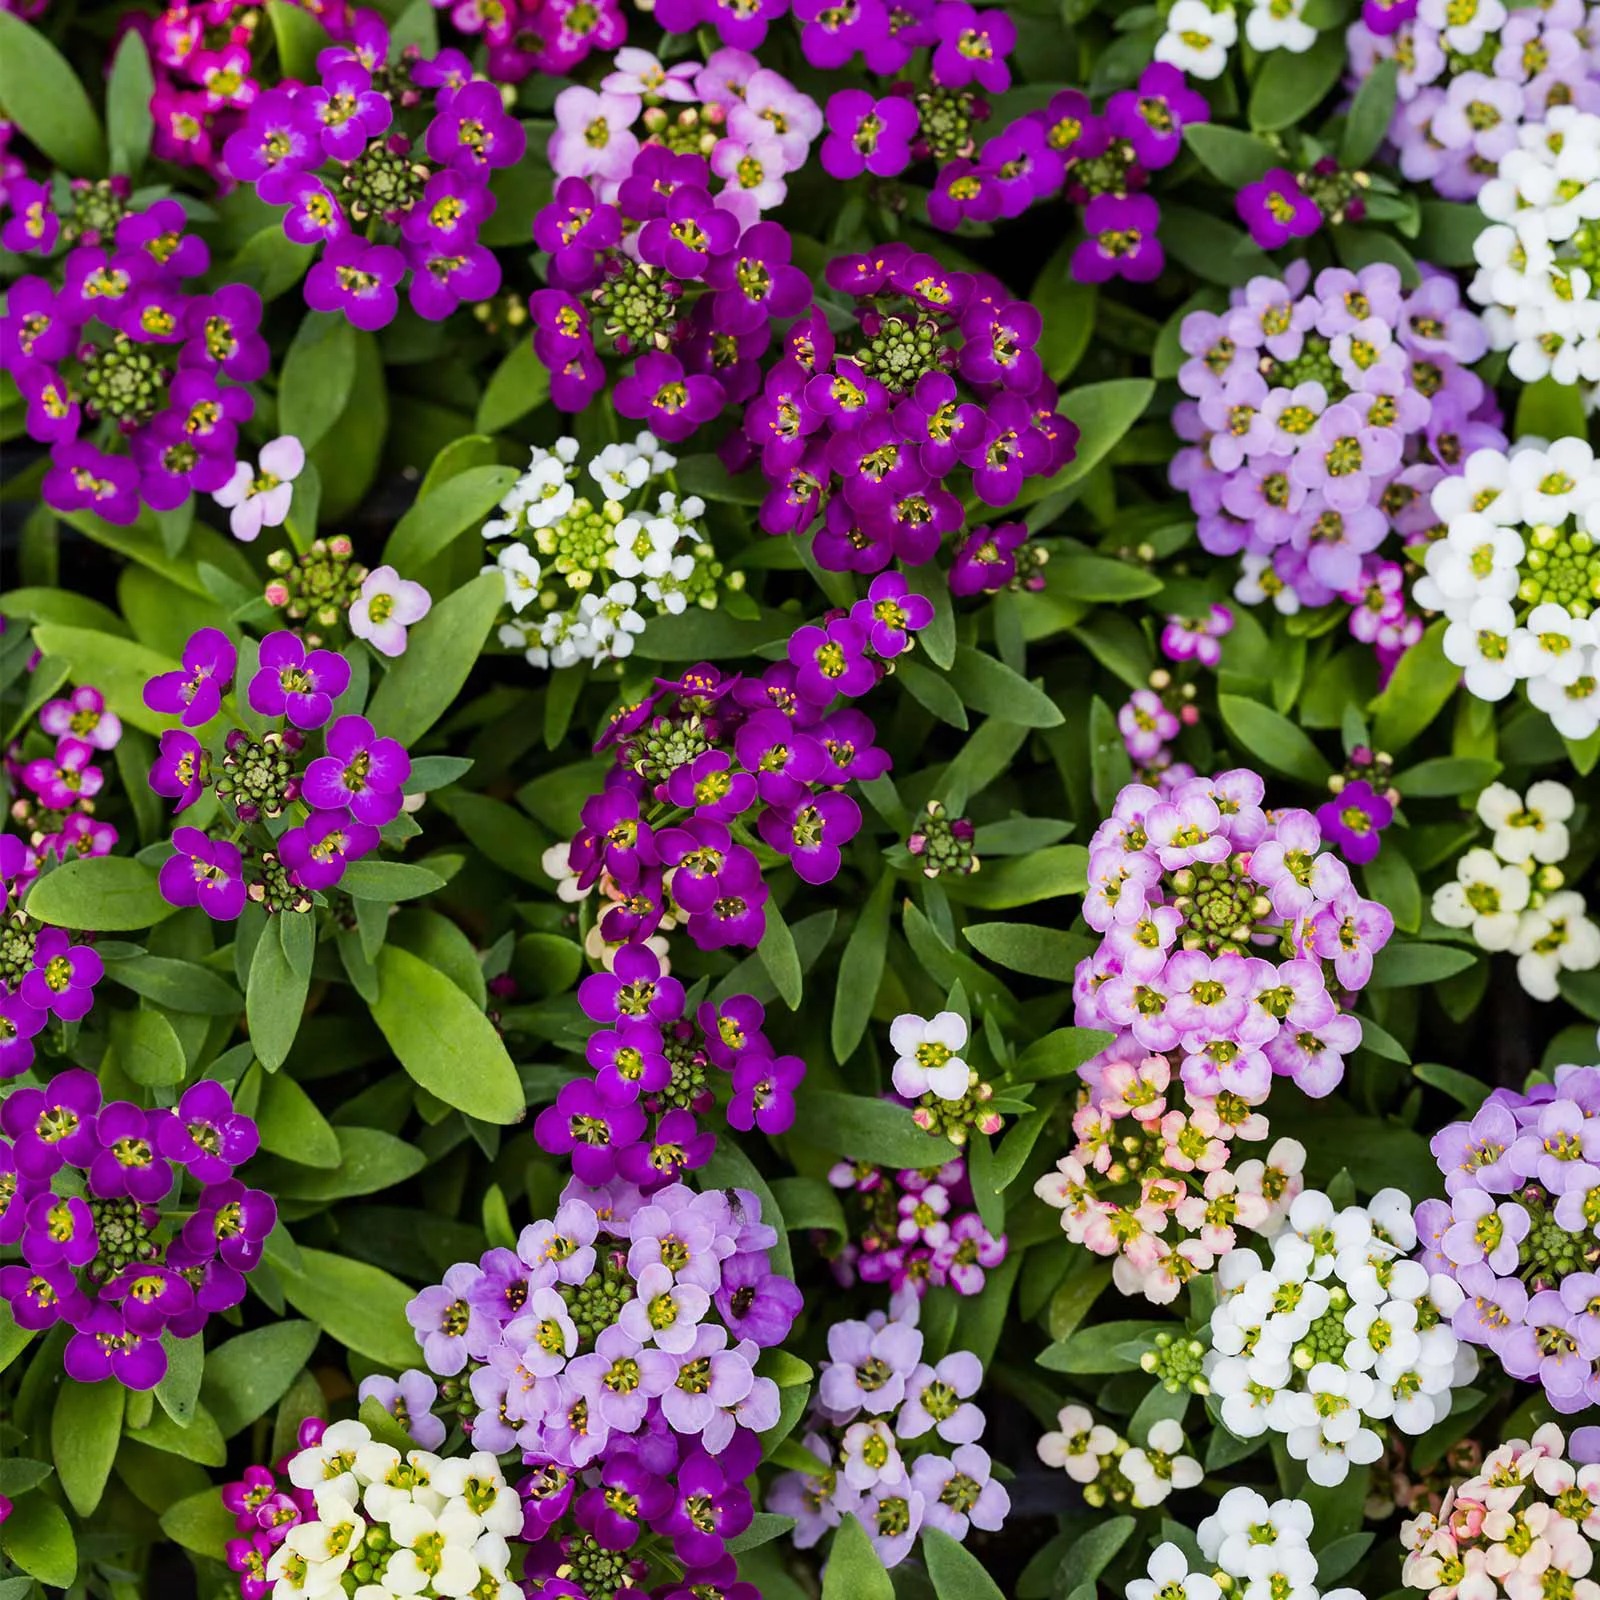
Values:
[(1158, 1469), (1279, 25), (644, 548), (518, 565), (541, 497), (1259, 581), (1486, 896), (1244, 1521), (1381, 1332), (1198, 39), (478, 1480), (327, 1544), (1550, 644), (1528, 830), (261, 500), (434, 1549), (331, 1462), (1463, 24), (1168, 1568), (1327, 1433), (1479, 642), (386, 607), (1555, 937), (928, 1056), (1078, 1445)]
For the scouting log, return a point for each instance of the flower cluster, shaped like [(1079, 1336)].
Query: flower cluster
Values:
[(1321, 416), (1229, 936), (1518, 1229), (1510, 894), (360, 1517), (83, 1187), (880, 431), (1538, 275), (523, 37), (749, 122), (881, 1430), (913, 1229), (1340, 1332), (616, 1349), (119, 348), (386, 166), (1108, 1469), (1472, 75), (338, 801), (702, 752), (1524, 1521), (1517, 574), (588, 565), (1149, 1179), (1247, 1543)]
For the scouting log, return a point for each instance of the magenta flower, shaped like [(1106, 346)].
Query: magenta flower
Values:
[(348, 111), (105, 1346), (670, 401), (208, 873), (1353, 821), (316, 853), (181, 770), (195, 693), (63, 977), (70, 775), (293, 682), (472, 131), (357, 279), (868, 134), (19, 1023), (1153, 116), (361, 773), (830, 661), (1276, 209), (1121, 240)]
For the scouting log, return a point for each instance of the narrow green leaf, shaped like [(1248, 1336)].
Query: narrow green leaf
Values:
[(128, 96), (1370, 114), (42, 95), (84, 1429), (520, 384), (361, 1306), (853, 1571), (37, 1535), (147, 1048), (988, 685), (780, 958), (861, 970), (275, 998), (865, 1130), (957, 1574), (249, 1373), (445, 512), (1267, 738), (319, 369)]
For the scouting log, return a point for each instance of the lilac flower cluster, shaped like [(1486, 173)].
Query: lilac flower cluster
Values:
[(1470, 78), (1518, 1232), (386, 166), (83, 1188), (1230, 936), (1321, 417), (913, 1229), (881, 431), (342, 797), (551, 37), (266, 1506), (895, 1441), (705, 754), (750, 123), (203, 59), (120, 348), (616, 1348), (1153, 717)]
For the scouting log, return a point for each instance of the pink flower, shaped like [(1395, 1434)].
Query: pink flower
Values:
[(387, 605), (261, 500)]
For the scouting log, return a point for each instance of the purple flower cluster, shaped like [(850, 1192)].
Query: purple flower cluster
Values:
[(1321, 417), (895, 1441), (616, 1349), (119, 347), (387, 167), (1465, 92), (917, 1230), (1230, 937), (881, 431), (266, 1506), (343, 796), (98, 1254), (1518, 1230), (705, 754), (550, 37)]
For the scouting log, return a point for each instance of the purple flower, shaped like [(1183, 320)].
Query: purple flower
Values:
[(361, 773), (82, 716), (1197, 639), (195, 693), (1350, 931), (205, 1134), (409, 1400), (348, 111), (628, 1499), (208, 873), (670, 401), (314, 215), (763, 1090), (357, 279), (295, 683), (1353, 821), (712, 1506), (66, 778), (448, 1326), (127, 1162), (959, 1490), (106, 1347), (712, 788), (151, 1297), (279, 138), (1121, 240), (636, 986), (812, 832), (868, 1367), (831, 660), (54, 1126), (972, 47), (444, 277), (890, 614), (83, 478), (1276, 209), (589, 1128), (181, 768), (472, 132), (19, 1022), (317, 852), (33, 226), (452, 209), (868, 134), (63, 976), (41, 1297), (1153, 116), (987, 561), (223, 331), (59, 1232), (755, 1302)]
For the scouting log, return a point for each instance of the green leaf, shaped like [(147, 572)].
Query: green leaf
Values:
[(1100, 1349), (1110, 766), (1420, 689), (854, 1571), (1101, 579), (861, 970), (319, 368), (1067, 307), (1289, 87), (1062, 1051), (250, 1373), (957, 1574), (780, 958), (1103, 413), (275, 998), (1450, 229), (1446, 775), (1404, 966), (442, 650), (866, 1130), (147, 1047), (99, 894), (42, 95), (384, 1428), (388, 881), (292, 1126), (128, 95), (1023, 880), (361, 1306), (1336, 1559), (1370, 114), (1074, 1300), (200, 1441), (84, 1429), (1392, 881), (988, 685), (37, 1535), (1551, 410), (1094, 1552), (176, 985), (444, 1041), (367, 1160), (300, 37), (445, 512), (932, 691), (520, 384), (1236, 157), (201, 1523), (1024, 947), (179, 1390), (1468, 1092), (118, 668), (1268, 739), (1214, 250)]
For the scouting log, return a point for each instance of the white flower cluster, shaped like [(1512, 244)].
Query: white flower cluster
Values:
[(1088, 1451), (1340, 1331), (595, 568), (1199, 34), (397, 1526), (1265, 1549), (1538, 273), (1510, 894), (1517, 575)]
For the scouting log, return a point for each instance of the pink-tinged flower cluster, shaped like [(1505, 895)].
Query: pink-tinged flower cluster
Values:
[(938, 390), (1523, 1526), (895, 1441), (337, 801), (1321, 415), (83, 1187), (705, 754), (749, 122), (1232, 940), (615, 1349), (1518, 1232), (1467, 88), (1155, 1180), (549, 37), (912, 1229), (203, 57), (115, 347), (385, 166)]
